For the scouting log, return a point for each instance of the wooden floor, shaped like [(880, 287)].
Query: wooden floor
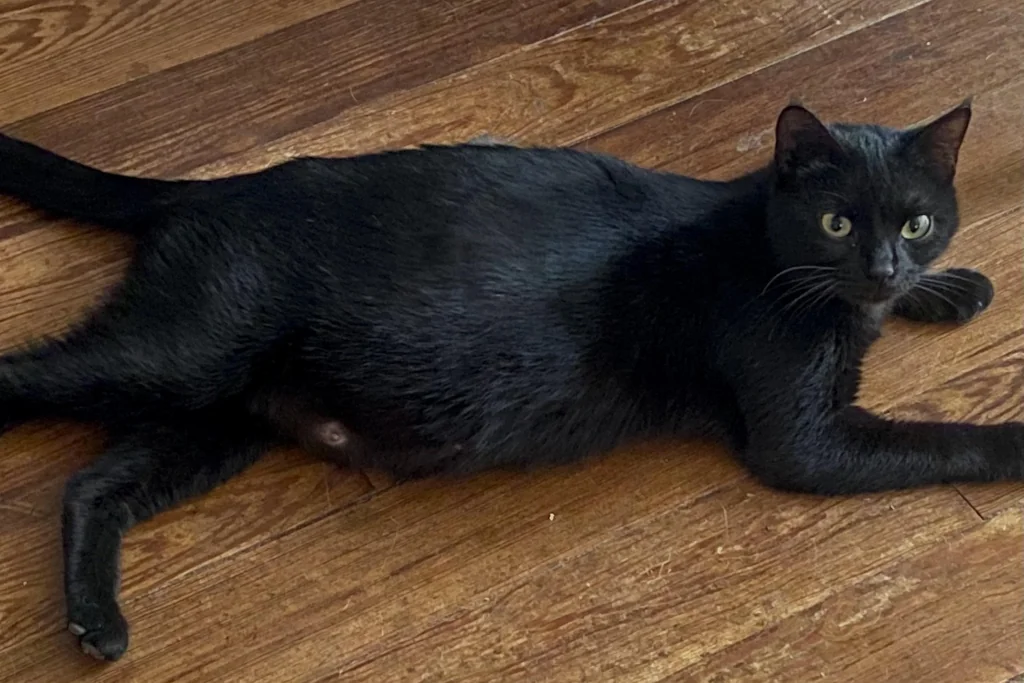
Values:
[(663, 564)]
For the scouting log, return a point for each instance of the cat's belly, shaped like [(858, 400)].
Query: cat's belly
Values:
[(563, 437), (467, 382), (476, 429), (427, 418)]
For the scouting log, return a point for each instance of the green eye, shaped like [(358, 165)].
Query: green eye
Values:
[(916, 228), (836, 226)]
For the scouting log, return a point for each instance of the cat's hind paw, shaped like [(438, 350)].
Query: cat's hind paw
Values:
[(102, 633)]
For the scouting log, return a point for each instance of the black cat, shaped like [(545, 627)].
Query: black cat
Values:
[(456, 308)]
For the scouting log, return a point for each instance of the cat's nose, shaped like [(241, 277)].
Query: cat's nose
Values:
[(882, 273)]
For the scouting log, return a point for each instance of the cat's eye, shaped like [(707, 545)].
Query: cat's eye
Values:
[(835, 225), (916, 228)]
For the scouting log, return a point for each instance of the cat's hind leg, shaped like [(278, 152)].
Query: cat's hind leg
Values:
[(956, 295), (167, 340), (147, 468)]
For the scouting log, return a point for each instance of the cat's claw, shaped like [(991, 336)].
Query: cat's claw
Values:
[(102, 634)]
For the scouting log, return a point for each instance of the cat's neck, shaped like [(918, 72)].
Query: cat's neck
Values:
[(757, 183)]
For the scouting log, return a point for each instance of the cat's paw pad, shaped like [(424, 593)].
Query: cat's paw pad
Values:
[(102, 633)]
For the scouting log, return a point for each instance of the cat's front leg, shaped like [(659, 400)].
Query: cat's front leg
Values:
[(854, 452), (956, 295), (801, 438)]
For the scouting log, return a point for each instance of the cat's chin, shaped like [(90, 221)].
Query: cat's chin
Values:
[(879, 299), (862, 297), (877, 308), (872, 304)]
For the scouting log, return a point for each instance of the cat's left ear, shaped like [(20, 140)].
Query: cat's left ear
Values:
[(936, 145)]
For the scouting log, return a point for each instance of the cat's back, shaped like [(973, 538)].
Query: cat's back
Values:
[(481, 225), (467, 203)]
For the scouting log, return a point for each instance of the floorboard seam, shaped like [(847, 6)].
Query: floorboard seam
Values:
[(668, 104), (969, 503), (311, 20)]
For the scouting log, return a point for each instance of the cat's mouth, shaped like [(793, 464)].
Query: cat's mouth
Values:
[(873, 294), (882, 296)]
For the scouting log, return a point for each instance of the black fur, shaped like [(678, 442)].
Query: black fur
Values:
[(481, 305)]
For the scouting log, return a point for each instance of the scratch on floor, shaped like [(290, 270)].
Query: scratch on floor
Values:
[(876, 604), (831, 17)]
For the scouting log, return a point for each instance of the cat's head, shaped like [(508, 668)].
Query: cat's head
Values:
[(861, 209)]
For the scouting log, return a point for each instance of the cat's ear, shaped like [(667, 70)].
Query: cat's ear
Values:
[(936, 145), (801, 139)]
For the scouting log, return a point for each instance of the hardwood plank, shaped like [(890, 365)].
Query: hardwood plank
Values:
[(51, 276), (586, 81), (988, 387), (294, 78), (638, 596), (990, 500), (902, 70), (95, 46), (952, 613), (382, 587)]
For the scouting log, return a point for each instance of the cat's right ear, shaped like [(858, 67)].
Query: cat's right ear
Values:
[(802, 140)]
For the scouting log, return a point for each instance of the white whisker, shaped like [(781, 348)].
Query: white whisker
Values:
[(811, 292), (947, 274), (818, 269), (951, 287), (939, 294)]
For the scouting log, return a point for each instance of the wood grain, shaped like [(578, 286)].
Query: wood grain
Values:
[(662, 563), (92, 45), (615, 526), (749, 559), (958, 598), (296, 77), (884, 73), (578, 84), (991, 499)]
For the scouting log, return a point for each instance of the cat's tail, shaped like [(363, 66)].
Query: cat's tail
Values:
[(69, 189)]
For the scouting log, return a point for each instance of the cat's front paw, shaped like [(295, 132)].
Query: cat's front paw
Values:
[(101, 629), (956, 295)]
